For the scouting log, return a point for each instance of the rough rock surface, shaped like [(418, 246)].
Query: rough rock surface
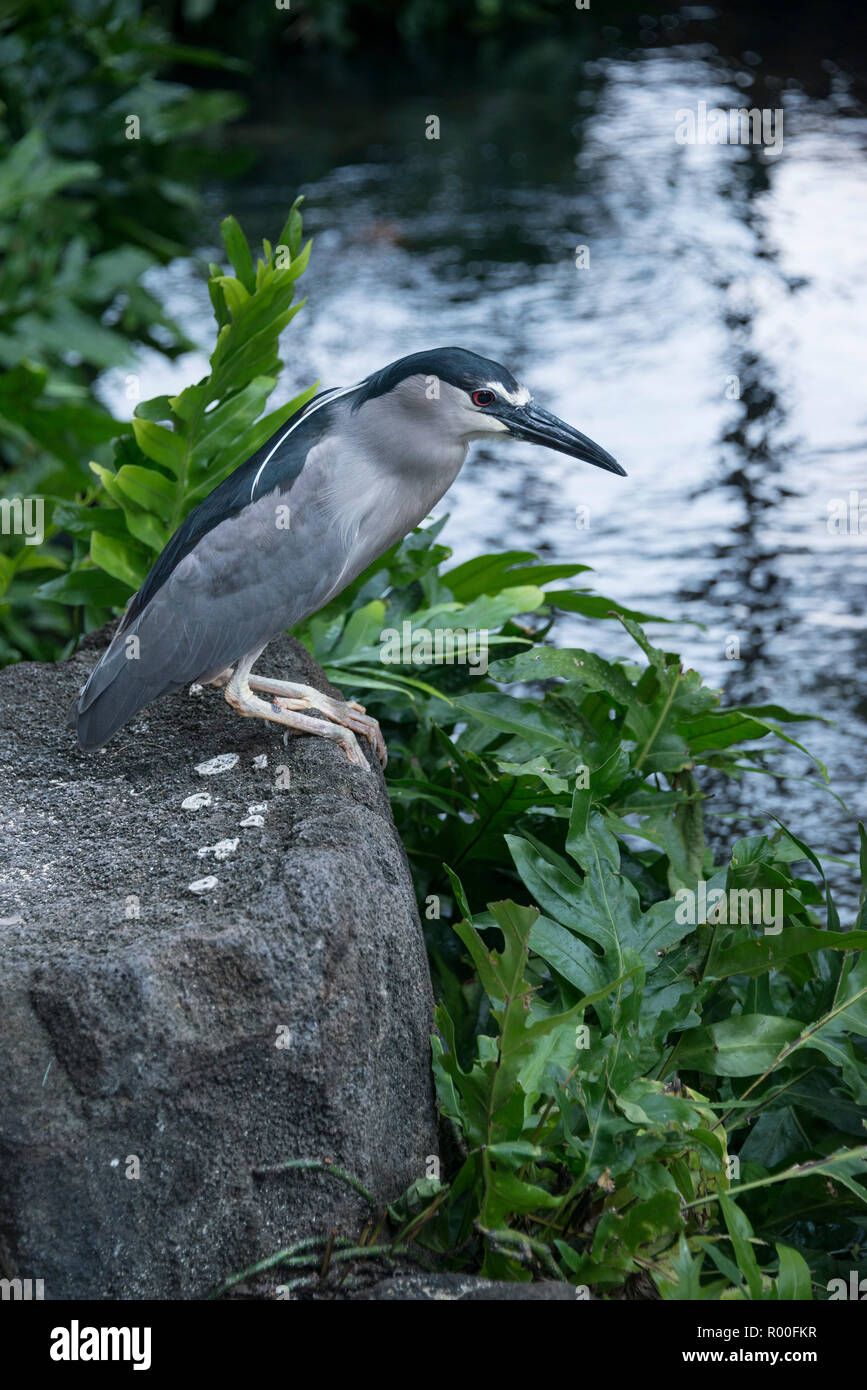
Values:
[(467, 1288), (188, 1036)]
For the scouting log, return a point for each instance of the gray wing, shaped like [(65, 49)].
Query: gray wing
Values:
[(244, 580)]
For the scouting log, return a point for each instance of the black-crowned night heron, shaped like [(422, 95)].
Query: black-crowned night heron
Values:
[(352, 473)]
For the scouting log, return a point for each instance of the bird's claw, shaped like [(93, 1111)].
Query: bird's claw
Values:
[(350, 715), (371, 730), (352, 750)]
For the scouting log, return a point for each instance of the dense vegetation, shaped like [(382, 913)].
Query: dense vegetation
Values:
[(89, 203), (634, 1095)]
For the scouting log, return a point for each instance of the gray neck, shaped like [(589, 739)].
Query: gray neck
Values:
[(404, 459)]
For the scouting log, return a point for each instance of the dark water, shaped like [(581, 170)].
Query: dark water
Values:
[(708, 263)]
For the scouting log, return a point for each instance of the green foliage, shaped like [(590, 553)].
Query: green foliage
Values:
[(639, 731), (182, 446), (76, 72), (85, 212), (581, 1160), (573, 784), (178, 448)]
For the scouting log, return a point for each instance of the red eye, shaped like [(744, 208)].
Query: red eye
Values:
[(483, 398)]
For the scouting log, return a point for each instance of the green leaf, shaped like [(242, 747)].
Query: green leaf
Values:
[(151, 491), (740, 1232), (244, 445), (291, 234), (573, 664), (162, 445), (109, 482), (87, 586), (794, 1280), (686, 1284), (221, 427), (118, 559), (489, 574), (527, 719), (156, 409), (521, 1197), (362, 630), (79, 520), (769, 952), (238, 252), (741, 1046), (595, 606)]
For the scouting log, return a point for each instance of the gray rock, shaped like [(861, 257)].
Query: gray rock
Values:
[(194, 1035), (463, 1288)]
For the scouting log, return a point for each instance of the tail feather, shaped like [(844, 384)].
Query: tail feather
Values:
[(115, 691), (172, 649), (206, 615), (111, 709)]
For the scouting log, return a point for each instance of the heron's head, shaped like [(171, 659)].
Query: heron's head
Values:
[(468, 397)]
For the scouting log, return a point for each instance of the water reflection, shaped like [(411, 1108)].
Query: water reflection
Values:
[(715, 345)]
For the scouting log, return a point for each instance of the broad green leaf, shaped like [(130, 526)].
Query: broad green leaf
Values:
[(79, 520), (222, 426), (162, 445), (151, 491), (117, 559), (527, 719), (769, 952), (87, 586), (740, 1046), (521, 1196), (543, 663), (363, 628), (156, 409)]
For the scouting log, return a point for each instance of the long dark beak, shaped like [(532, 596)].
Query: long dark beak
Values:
[(541, 427)]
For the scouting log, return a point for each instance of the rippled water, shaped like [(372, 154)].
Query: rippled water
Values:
[(707, 263)]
